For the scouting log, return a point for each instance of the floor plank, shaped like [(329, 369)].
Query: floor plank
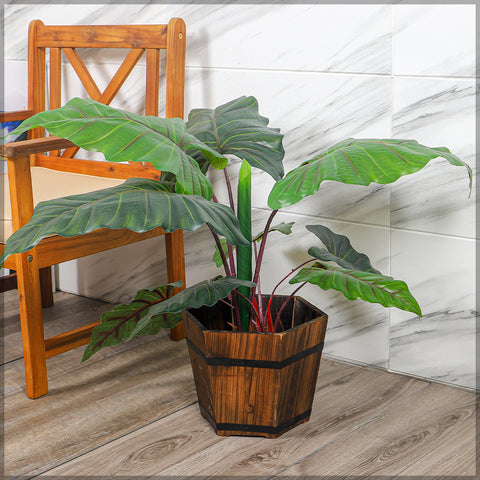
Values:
[(454, 458), (398, 438), (338, 407), (96, 404)]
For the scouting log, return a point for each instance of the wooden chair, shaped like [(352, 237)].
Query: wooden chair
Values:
[(34, 176)]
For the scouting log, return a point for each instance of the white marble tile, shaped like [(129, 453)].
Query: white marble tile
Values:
[(313, 111), (330, 38), (15, 76), (440, 272), (434, 40), (115, 275), (436, 112)]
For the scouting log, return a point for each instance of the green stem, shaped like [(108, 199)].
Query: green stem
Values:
[(244, 252)]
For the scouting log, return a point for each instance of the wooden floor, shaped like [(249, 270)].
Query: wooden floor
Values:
[(131, 411)]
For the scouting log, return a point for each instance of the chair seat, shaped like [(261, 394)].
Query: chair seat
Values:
[(47, 185)]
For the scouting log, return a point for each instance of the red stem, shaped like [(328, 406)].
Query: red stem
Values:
[(222, 255), (229, 189), (284, 304), (262, 248)]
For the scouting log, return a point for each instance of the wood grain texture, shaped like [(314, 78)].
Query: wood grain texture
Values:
[(168, 442), (103, 36), (98, 168), (258, 399), (455, 457), (388, 443), (338, 408), (26, 147), (68, 312), (96, 405)]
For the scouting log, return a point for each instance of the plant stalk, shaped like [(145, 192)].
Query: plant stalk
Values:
[(229, 189), (222, 254), (284, 304), (244, 252), (262, 246)]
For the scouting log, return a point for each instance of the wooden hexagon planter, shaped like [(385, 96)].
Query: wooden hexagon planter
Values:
[(256, 384)]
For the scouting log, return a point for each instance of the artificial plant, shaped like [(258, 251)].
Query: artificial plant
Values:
[(184, 198)]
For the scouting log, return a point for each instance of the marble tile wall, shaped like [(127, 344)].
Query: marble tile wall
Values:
[(323, 73)]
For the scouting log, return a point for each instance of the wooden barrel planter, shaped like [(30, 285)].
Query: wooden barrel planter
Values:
[(256, 384)]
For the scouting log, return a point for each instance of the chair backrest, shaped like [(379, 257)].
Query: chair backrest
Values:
[(140, 39)]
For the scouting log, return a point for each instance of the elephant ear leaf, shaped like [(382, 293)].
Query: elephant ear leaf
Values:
[(123, 136), (118, 324), (353, 284), (358, 162), (138, 204), (237, 128), (338, 249)]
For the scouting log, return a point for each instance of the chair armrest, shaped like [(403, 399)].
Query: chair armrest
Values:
[(35, 145), (15, 116)]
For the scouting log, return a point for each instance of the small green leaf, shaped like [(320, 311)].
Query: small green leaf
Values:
[(118, 324), (353, 284), (284, 228)]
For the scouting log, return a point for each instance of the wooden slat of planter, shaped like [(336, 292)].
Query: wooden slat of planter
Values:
[(185, 444)]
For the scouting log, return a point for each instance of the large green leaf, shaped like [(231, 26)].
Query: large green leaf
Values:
[(236, 128), (357, 162), (137, 204), (122, 136), (339, 250), (118, 324), (208, 293), (353, 284)]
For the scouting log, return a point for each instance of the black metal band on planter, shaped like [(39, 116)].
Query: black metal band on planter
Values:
[(237, 427), (240, 362)]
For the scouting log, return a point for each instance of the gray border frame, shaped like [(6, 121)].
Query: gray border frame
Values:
[(477, 263)]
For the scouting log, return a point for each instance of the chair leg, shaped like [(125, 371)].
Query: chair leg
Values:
[(31, 321), (46, 286), (176, 271)]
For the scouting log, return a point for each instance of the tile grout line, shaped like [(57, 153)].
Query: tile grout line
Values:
[(326, 73), (375, 225)]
